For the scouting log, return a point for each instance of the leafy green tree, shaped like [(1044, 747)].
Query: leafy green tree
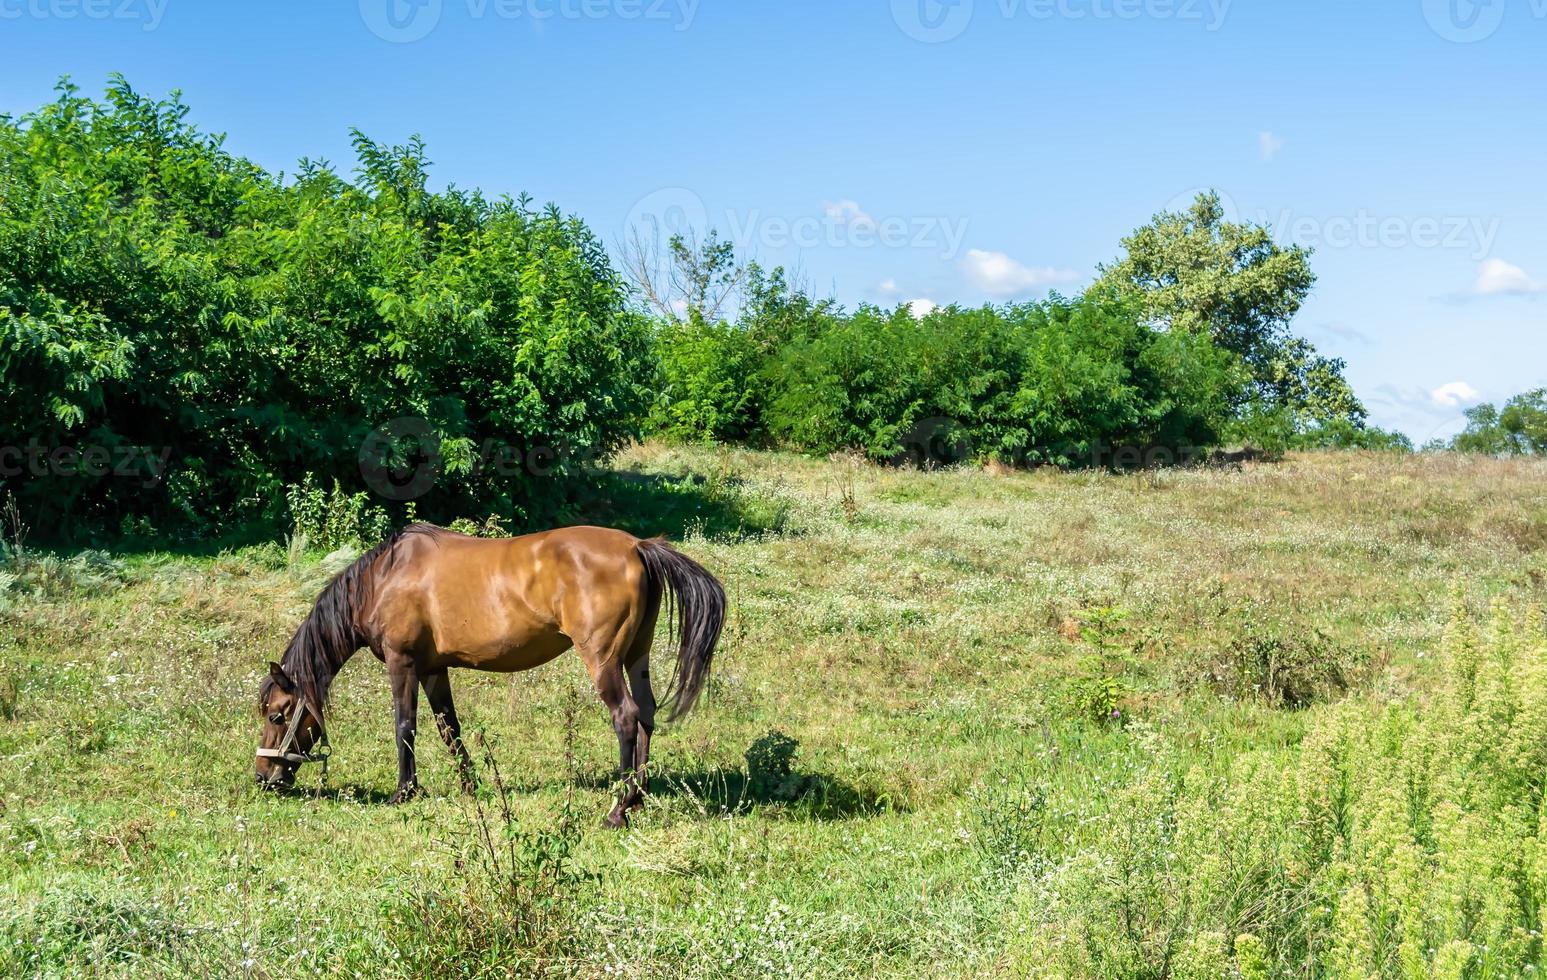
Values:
[(1520, 429), (1194, 271), (157, 291)]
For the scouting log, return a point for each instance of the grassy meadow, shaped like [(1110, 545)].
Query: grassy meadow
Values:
[(1283, 720)]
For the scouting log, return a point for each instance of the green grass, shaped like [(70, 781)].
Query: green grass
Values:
[(931, 639)]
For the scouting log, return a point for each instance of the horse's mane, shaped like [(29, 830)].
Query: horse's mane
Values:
[(329, 635)]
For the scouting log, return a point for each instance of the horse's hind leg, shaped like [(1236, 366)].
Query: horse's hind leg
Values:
[(607, 673), (644, 700), (605, 661), (638, 665), (605, 631), (437, 690)]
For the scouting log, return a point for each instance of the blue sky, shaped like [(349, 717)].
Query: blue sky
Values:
[(901, 150)]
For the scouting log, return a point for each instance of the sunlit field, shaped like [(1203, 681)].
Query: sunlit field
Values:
[(1283, 720)]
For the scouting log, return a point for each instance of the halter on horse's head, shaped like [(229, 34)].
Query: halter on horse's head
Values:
[(293, 732)]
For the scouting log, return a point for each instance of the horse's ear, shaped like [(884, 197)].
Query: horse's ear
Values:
[(278, 673)]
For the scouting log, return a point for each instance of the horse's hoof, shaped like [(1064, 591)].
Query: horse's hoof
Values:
[(618, 819), (403, 795)]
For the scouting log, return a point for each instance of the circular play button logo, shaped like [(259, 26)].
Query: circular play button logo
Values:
[(1464, 21), (932, 21), (401, 459), (401, 21)]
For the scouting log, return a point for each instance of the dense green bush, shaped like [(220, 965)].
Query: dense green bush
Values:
[(218, 331), (709, 394), (1183, 343), (712, 384), (1065, 381)]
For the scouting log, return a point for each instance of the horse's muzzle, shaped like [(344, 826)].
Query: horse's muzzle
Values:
[(279, 778)]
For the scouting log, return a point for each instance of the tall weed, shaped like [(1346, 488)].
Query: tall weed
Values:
[(332, 520), (510, 903), (1400, 840)]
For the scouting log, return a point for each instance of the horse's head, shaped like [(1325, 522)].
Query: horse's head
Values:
[(292, 729)]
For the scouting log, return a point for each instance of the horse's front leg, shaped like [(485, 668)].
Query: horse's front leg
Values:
[(405, 710)]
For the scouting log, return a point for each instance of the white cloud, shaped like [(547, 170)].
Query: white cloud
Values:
[(848, 212), (1412, 409), (999, 275), (888, 288), (1269, 144), (922, 307), (1496, 277), (1454, 395)]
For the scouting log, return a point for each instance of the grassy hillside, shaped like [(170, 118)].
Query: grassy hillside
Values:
[(1205, 723)]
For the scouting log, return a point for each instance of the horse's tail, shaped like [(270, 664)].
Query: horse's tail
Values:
[(698, 601)]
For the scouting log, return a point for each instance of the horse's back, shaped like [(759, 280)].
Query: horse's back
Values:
[(507, 603)]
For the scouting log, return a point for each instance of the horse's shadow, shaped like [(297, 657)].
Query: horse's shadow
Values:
[(711, 791), (730, 790), (807, 795)]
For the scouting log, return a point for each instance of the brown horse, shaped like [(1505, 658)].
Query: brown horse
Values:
[(427, 599)]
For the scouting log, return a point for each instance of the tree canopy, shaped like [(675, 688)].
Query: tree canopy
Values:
[(1195, 271), (157, 291), (1519, 429)]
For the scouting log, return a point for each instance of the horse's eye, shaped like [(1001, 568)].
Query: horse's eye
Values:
[(277, 718)]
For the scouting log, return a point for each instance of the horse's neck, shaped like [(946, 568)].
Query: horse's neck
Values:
[(336, 659), (341, 658)]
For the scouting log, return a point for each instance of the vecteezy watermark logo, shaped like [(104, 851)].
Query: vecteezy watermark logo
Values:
[(1363, 229), (1464, 21), (403, 21), (665, 214), (662, 215), (142, 463), (147, 12), (1470, 233), (844, 224), (1210, 13), (937, 21), (932, 21), (401, 459)]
